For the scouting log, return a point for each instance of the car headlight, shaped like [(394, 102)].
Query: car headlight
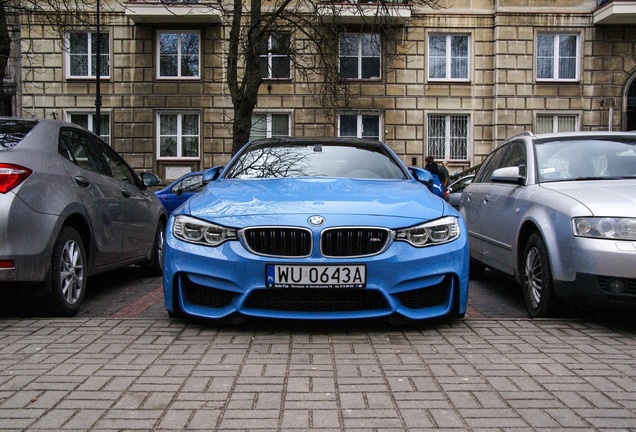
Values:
[(605, 228), (193, 230), (431, 233)]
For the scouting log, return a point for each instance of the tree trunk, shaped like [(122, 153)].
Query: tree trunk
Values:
[(245, 93)]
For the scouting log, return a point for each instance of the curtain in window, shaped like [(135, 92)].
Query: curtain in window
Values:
[(259, 126), (459, 57), (567, 56), (280, 125), (437, 56), (458, 137), (555, 123), (436, 136), (448, 136), (545, 56), (545, 124), (567, 123)]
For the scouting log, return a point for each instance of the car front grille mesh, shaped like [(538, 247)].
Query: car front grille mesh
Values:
[(334, 242), (353, 242), (276, 241)]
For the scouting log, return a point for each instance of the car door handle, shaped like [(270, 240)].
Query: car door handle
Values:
[(487, 197), (82, 181), (126, 193)]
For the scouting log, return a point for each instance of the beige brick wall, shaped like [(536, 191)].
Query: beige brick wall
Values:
[(502, 96)]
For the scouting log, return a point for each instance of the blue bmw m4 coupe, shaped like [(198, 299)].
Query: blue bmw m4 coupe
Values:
[(316, 229)]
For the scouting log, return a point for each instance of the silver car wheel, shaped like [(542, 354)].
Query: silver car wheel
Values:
[(534, 277), (71, 272)]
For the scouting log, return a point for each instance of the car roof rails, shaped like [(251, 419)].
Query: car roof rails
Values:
[(520, 134)]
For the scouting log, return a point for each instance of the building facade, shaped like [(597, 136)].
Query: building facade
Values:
[(466, 77)]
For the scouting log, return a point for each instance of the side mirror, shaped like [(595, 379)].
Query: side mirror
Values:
[(421, 175), (212, 174), (512, 174), (150, 179)]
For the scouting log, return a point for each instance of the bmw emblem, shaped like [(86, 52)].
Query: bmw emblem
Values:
[(316, 220)]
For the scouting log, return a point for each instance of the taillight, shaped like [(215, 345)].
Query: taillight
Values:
[(11, 176)]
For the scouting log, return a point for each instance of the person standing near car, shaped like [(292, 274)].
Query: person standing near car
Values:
[(437, 187), (443, 174)]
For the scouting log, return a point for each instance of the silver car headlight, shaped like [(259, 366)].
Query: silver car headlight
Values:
[(431, 233), (605, 228), (196, 231)]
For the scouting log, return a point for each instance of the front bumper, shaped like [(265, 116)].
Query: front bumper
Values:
[(416, 283), (598, 291)]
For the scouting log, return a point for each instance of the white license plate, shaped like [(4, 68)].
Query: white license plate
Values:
[(318, 276)]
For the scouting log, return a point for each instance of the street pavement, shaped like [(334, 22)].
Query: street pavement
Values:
[(131, 368)]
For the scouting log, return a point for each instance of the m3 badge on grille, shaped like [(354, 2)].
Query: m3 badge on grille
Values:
[(316, 220)]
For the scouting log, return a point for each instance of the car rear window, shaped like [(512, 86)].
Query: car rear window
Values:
[(12, 132)]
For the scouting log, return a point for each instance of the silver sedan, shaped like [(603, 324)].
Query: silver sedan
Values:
[(558, 213), (70, 207)]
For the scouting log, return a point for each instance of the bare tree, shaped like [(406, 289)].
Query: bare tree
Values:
[(315, 27)]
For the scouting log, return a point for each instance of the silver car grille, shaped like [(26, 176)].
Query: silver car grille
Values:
[(347, 242)]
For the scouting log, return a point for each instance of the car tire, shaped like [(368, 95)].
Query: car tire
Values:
[(67, 275), (476, 270), (154, 267), (538, 286)]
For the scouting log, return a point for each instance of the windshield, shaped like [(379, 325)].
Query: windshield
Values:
[(316, 160), (588, 158), (12, 132)]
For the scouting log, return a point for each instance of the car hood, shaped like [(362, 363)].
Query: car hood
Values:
[(390, 203), (615, 198)]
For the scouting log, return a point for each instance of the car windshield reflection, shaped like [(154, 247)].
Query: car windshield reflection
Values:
[(314, 160), (591, 159)]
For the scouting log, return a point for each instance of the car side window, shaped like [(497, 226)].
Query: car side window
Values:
[(189, 184), (118, 167), (515, 156), (491, 163), (75, 146)]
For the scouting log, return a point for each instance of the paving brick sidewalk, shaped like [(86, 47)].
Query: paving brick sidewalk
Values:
[(160, 374)]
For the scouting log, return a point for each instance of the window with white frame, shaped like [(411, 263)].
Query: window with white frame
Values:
[(274, 60), (89, 121), (448, 136), (360, 55), (359, 125), (179, 54), (557, 56), (448, 56), (81, 55), (266, 125), (549, 123), (178, 135)]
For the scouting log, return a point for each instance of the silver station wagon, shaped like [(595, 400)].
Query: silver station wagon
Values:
[(558, 212)]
